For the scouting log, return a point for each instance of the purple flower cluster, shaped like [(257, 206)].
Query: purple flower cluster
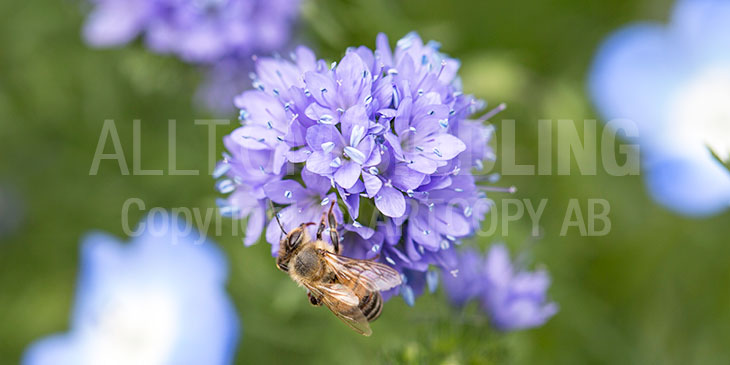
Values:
[(513, 299), (384, 133), (201, 31)]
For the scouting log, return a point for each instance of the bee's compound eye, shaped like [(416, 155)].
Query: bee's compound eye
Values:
[(294, 239)]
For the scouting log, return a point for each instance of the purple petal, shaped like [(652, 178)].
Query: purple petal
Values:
[(405, 178), (322, 114), (430, 101), (255, 137), (319, 163), (278, 74), (357, 247), (450, 71), (263, 109), (320, 134), (352, 202), (421, 164), (316, 182), (255, 225), (437, 183), (306, 60), (391, 231), (114, 23), (202, 43), (385, 57), (375, 156), (443, 147), (383, 94), (285, 191), (321, 87), (468, 283), (412, 249), (367, 56), (499, 266), (403, 117), (390, 202), (451, 221), (297, 134), (358, 188), (533, 284), (298, 156), (280, 155), (354, 78), (346, 176), (372, 184), (364, 231), (355, 120), (421, 230), (394, 145)]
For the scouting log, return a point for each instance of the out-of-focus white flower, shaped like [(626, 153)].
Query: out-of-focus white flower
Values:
[(702, 110), (157, 300), (674, 83)]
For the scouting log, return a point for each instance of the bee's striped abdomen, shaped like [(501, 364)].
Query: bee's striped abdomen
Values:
[(371, 305)]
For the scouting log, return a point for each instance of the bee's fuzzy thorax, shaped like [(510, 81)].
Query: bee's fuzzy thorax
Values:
[(304, 262)]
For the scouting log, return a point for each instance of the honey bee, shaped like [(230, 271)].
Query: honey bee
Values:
[(350, 288)]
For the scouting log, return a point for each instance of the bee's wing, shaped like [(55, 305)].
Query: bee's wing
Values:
[(373, 275), (343, 303)]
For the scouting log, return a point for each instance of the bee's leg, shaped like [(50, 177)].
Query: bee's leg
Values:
[(334, 236), (314, 300), (321, 227)]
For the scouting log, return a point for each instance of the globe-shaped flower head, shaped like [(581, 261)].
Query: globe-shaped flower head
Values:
[(384, 133)]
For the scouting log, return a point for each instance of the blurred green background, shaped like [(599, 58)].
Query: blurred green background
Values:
[(654, 290)]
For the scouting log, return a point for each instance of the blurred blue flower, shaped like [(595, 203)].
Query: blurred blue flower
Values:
[(220, 84), (513, 299), (160, 299), (674, 83), (201, 31), (467, 281), (383, 132)]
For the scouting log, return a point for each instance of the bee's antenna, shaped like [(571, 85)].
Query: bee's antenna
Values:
[(276, 216)]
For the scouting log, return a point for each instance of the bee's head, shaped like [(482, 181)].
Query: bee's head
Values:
[(292, 240), (290, 243)]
